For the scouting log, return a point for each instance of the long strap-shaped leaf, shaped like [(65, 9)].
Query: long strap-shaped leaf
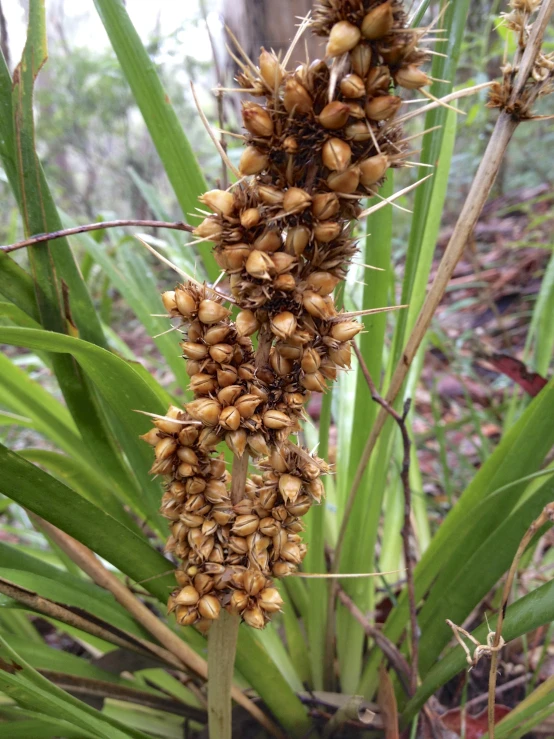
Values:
[(159, 115)]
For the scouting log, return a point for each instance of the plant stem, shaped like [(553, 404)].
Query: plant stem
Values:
[(41, 238)]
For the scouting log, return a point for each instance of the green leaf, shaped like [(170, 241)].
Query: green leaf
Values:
[(525, 615), (40, 728), (125, 388), (167, 133), (31, 690), (16, 285), (42, 494)]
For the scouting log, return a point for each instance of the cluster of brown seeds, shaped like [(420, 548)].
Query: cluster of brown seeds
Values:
[(322, 141)]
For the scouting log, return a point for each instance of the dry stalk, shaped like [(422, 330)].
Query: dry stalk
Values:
[(547, 516)]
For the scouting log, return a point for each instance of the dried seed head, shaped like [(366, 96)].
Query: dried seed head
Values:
[(270, 195), (360, 58), (186, 303), (270, 70), (352, 86), (316, 489), (289, 487), (194, 351), (211, 312), (208, 229), (341, 356), (205, 410), (345, 330), (151, 437), (250, 217), (209, 607), (411, 77), (186, 615), (256, 119), (280, 365), (274, 419), (208, 439), (298, 238), (296, 200), (373, 169), (283, 262), (229, 418), (310, 361), (165, 448), (378, 80), (316, 305), (343, 37), (296, 98), (336, 154), (220, 201), (359, 131), (258, 445), (254, 617), (287, 283), (378, 22), (345, 182), (222, 353), (168, 299), (327, 231), (217, 333), (239, 601), (254, 582), (253, 161), (259, 265), (245, 525), (314, 381), (283, 324), (186, 454), (382, 108), (247, 404), (325, 205), (246, 323), (334, 115)]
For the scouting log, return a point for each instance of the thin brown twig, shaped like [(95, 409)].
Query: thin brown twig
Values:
[(187, 657), (546, 516), (407, 531), (41, 238), (390, 650)]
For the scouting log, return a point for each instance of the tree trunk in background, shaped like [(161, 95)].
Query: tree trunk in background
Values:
[(272, 24)]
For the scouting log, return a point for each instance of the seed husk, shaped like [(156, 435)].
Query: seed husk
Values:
[(296, 200), (373, 169), (270, 600), (322, 282), (186, 303), (336, 154), (298, 238), (229, 418), (352, 86), (211, 312), (346, 330), (343, 37), (271, 70), (346, 182), (378, 22), (206, 410), (256, 119), (246, 323), (217, 333), (259, 265), (296, 98), (209, 229), (247, 404), (411, 77), (314, 381), (194, 351), (283, 324), (209, 607), (382, 108), (253, 161), (334, 115), (274, 419), (269, 241), (221, 353), (270, 195), (254, 617), (220, 201), (327, 231), (168, 299), (250, 217), (325, 205), (360, 58)]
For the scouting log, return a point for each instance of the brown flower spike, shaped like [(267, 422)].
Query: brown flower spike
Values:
[(320, 140)]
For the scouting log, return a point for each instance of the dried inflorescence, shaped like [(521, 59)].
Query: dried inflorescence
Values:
[(541, 78), (322, 140)]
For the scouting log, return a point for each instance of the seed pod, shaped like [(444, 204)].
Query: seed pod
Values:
[(352, 86), (315, 382), (289, 487), (256, 119), (247, 404), (291, 553), (269, 241), (373, 169), (327, 231), (211, 312), (253, 582), (168, 299), (165, 448), (296, 98), (220, 201), (282, 568), (186, 615), (382, 108), (287, 283), (221, 353), (378, 80), (195, 485), (245, 525), (228, 395), (246, 323), (334, 115), (151, 437), (209, 229), (281, 366), (296, 200), (186, 303), (328, 369), (341, 356), (270, 195), (316, 489), (217, 333), (343, 37), (208, 439), (360, 58), (209, 607), (283, 262), (336, 154), (344, 182), (297, 239), (311, 360), (378, 22), (250, 217), (359, 131), (325, 205), (258, 445), (283, 324), (270, 600), (411, 77), (229, 418), (253, 161), (254, 617), (315, 305), (322, 282), (194, 351), (239, 601), (195, 331), (300, 506), (274, 419), (188, 455), (206, 410), (346, 330), (271, 70), (259, 265)]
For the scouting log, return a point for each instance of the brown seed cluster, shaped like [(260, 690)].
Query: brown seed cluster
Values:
[(321, 142)]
